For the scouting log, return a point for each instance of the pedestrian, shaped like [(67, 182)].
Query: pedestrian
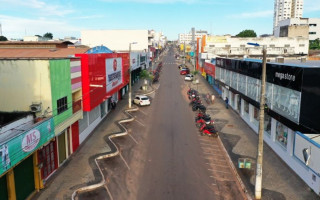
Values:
[(212, 98), (227, 102), (113, 103)]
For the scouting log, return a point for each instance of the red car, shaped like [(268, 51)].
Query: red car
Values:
[(184, 71)]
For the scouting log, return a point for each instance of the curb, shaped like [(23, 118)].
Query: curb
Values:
[(108, 155), (123, 132), (244, 189)]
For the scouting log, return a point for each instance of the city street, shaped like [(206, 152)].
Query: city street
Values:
[(164, 157)]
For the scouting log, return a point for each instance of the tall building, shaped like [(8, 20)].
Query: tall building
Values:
[(285, 9), (188, 37)]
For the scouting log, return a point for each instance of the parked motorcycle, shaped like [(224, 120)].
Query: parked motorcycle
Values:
[(198, 106), (208, 130)]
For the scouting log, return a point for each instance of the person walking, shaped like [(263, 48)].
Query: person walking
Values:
[(227, 102)]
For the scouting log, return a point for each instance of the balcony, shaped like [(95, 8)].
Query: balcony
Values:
[(76, 106)]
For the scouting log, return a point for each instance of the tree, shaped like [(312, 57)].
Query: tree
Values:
[(2, 38), (48, 35), (314, 44), (247, 33)]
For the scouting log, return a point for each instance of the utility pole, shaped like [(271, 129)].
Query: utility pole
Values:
[(258, 185), (184, 52), (130, 96)]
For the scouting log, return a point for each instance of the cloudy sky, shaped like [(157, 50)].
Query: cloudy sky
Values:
[(67, 18)]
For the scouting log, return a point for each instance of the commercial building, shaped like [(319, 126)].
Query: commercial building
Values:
[(291, 113), (41, 105), (314, 28), (285, 9), (186, 38), (228, 46), (299, 27), (116, 40)]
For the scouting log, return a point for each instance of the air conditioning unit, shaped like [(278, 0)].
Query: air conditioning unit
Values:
[(35, 107)]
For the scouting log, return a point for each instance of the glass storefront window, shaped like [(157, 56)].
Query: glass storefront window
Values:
[(267, 123), (234, 80), (246, 109), (256, 116), (242, 84), (282, 134), (227, 77)]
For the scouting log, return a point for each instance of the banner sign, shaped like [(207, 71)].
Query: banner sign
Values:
[(16, 149), (209, 69), (114, 73)]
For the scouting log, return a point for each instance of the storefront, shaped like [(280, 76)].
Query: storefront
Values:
[(19, 167), (47, 158), (291, 93)]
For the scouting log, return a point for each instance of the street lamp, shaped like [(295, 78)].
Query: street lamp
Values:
[(258, 185), (130, 97)]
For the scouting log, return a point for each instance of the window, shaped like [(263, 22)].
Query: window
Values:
[(242, 45), (287, 45), (282, 134), (267, 123), (301, 45), (62, 105), (211, 45), (272, 45), (312, 33)]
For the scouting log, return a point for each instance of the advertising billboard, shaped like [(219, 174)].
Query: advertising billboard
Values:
[(16, 149), (114, 73)]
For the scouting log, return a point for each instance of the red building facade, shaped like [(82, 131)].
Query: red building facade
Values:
[(102, 75)]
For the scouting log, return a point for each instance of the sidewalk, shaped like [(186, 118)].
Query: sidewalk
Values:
[(80, 169), (240, 141)]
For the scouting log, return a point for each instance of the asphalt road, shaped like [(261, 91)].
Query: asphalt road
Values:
[(164, 157)]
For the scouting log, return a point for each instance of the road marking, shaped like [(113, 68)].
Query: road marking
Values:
[(108, 191), (124, 161), (209, 144), (142, 112), (216, 159), (213, 154), (210, 148), (219, 171), (139, 122), (216, 165), (133, 139)]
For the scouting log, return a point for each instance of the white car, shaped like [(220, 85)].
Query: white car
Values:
[(141, 100), (189, 77)]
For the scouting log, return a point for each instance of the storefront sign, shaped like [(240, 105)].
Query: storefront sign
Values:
[(30, 140), (209, 69), (16, 149), (114, 73)]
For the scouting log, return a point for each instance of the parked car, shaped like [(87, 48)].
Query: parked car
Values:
[(189, 77), (185, 71), (182, 66), (141, 100)]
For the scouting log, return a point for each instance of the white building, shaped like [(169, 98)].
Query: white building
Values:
[(314, 28), (285, 9), (116, 40), (187, 37), (298, 27), (228, 46)]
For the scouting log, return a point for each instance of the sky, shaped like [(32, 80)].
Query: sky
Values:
[(62, 18)]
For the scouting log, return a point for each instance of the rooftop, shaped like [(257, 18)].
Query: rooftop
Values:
[(34, 53)]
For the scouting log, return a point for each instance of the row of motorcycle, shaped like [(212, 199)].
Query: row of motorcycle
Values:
[(203, 120), (156, 73)]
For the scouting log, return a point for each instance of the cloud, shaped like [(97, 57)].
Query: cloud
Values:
[(259, 14), (16, 27), (38, 7)]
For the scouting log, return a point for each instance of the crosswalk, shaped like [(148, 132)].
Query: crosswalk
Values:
[(170, 63)]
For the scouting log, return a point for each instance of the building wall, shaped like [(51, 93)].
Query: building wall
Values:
[(314, 28), (116, 40), (60, 87), (24, 82), (227, 46)]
